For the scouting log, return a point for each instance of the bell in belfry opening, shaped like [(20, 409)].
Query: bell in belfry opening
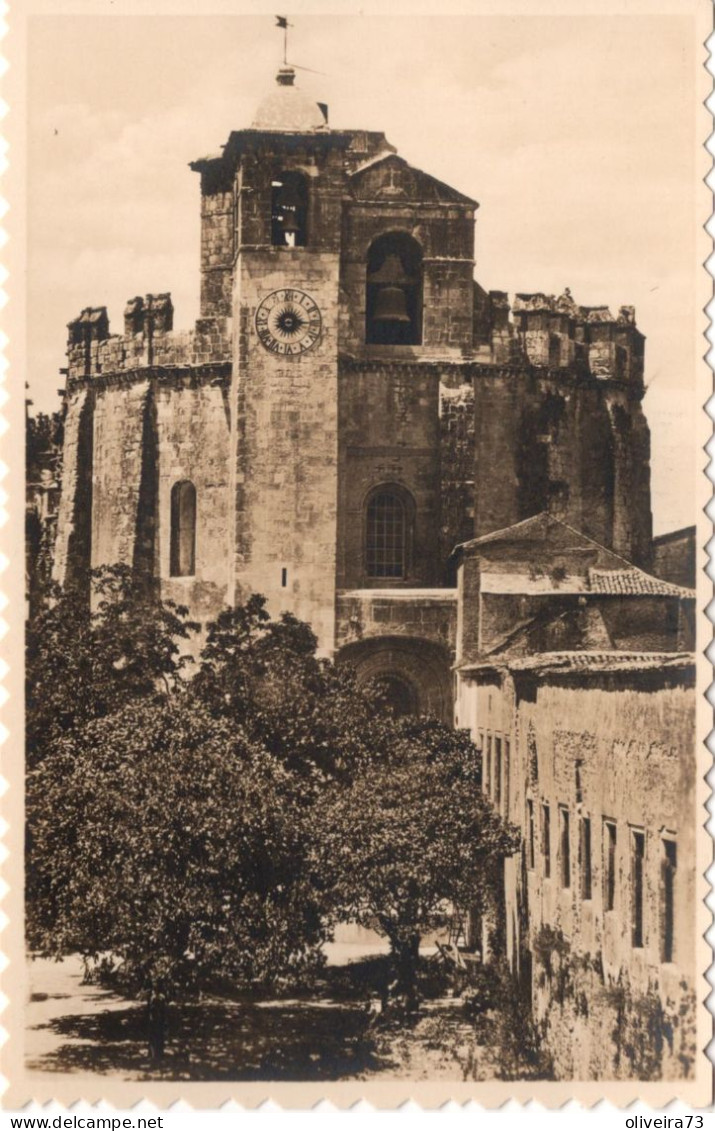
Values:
[(391, 305), (391, 299)]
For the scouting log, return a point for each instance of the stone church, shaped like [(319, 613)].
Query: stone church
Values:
[(454, 491), (349, 407)]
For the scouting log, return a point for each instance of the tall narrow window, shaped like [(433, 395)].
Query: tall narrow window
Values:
[(609, 865), (488, 763), (183, 530), (530, 834), (584, 856), (394, 291), (497, 771), (289, 210), (565, 846), (637, 875), (546, 839), (386, 535), (667, 879), (507, 773)]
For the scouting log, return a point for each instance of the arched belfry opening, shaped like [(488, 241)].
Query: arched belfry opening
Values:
[(289, 210), (394, 291)]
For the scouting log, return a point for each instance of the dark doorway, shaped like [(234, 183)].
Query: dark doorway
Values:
[(399, 696)]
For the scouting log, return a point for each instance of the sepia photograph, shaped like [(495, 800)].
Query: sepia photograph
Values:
[(356, 378)]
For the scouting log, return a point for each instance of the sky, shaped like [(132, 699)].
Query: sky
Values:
[(575, 134)]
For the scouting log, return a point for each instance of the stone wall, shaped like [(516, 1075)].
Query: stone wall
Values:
[(149, 340), (218, 239), (575, 621), (286, 445), (192, 437), (417, 613), (389, 434), (127, 442), (606, 747), (117, 464), (674, 557), (73, 543), (456, 523), (563, 443)]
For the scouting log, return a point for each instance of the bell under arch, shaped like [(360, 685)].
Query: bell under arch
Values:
[(289, 209), (393, 307)]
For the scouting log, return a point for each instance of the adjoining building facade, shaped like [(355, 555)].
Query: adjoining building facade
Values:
[(350, 407), (576, 680)]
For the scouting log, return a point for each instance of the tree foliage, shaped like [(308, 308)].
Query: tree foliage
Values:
[(216, 826), (85, 662), (164, 836), (264, 674), (412, 837)]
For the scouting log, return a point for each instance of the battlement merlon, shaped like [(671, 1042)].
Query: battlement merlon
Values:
[(555, 332), (149, 339)]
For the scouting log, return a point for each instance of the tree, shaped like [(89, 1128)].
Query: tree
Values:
[(410, 838), (165, 836), (264, 674), (85, 661)]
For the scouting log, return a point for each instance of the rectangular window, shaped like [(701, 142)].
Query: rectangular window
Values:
[(609, 865), (530, 835), (488, 766), (546, 839), (507, 759), (565, 846), (386, 536), (667, 880), (637, 875), (497, 772), (584, 856)]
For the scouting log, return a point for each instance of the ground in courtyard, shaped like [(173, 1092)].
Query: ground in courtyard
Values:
[(333, 1032)]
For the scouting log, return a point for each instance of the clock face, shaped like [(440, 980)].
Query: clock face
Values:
[(288, 322)]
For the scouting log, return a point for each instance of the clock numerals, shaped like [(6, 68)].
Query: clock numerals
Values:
[(288, 322)]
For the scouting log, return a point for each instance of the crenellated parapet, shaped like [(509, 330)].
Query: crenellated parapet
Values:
[(149, 340), (554, 332)]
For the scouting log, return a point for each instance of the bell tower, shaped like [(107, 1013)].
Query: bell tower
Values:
[(283, 180)]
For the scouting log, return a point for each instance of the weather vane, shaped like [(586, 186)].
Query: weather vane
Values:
[(282, 21)]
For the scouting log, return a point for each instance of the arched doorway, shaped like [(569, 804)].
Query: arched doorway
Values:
[(399, 696), (415, 673)]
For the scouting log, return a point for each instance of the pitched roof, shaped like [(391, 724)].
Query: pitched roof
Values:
[(443, 192), (626, 579), (632, 582), (554, 662), (535, 524)]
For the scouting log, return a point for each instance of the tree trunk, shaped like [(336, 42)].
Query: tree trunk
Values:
[(405, 957), (156, 1027)]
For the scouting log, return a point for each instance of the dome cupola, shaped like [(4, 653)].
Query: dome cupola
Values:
[(287, 109)]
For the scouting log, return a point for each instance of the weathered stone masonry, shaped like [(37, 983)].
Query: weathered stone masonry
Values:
[(470, 418), (334, 465)]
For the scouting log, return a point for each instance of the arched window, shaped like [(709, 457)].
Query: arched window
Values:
[(394, 291), (289, 210), (183, 529), (387, 534)]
